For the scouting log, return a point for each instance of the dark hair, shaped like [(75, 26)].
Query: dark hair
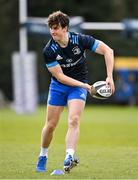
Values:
[(58, 18)]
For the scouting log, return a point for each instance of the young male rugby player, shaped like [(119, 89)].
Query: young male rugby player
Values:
[(65, 59)]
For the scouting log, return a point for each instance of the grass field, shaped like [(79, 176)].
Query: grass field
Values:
[(108, 145)]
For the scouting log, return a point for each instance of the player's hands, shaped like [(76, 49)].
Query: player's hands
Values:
[(110, 82), (90, 88)]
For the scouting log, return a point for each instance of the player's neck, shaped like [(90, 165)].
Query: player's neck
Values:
[(64, 41)]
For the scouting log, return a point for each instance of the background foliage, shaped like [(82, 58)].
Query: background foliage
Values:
[(93, 11)]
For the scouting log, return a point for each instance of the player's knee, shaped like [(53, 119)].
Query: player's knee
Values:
[(51, 126), (74, 121)]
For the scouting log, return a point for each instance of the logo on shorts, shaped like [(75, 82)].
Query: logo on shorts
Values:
[(83, 96)]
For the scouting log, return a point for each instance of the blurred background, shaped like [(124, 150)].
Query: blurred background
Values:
[(14, 62), (108, 145)]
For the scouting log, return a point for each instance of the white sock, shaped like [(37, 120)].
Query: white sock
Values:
[(69, 152), (43, 152)]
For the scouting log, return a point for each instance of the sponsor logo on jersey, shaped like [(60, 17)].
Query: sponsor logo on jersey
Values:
[(69, 60), (71, 64)]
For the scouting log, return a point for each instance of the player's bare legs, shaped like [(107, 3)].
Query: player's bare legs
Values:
[(76, 106), (52, 118)]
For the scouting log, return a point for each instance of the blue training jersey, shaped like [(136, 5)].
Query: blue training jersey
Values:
[(72, 58)]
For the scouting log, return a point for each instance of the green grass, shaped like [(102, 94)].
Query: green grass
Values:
[(108, 144)]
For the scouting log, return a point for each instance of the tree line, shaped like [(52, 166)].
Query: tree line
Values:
[(92, 11)]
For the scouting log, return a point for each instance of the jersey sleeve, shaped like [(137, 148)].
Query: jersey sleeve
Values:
[(49, 58), (88, 42)]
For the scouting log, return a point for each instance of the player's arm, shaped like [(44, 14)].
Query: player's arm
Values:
[(55, 69), (105, 50), (57, 72)]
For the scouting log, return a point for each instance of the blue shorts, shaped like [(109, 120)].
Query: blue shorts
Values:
[(60, 94)]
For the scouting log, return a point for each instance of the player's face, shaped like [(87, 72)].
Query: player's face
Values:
[(57, 32)]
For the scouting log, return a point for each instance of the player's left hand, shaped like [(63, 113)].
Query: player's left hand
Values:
[(110, 82)]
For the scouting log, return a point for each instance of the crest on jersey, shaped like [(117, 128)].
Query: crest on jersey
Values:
[(76, 50)]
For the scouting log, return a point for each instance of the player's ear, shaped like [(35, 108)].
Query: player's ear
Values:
[(66, 28)]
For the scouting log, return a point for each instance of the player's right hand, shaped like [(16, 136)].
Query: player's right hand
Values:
[(89, 88)]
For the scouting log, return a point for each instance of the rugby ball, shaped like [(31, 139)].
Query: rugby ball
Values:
[(102, 90)]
